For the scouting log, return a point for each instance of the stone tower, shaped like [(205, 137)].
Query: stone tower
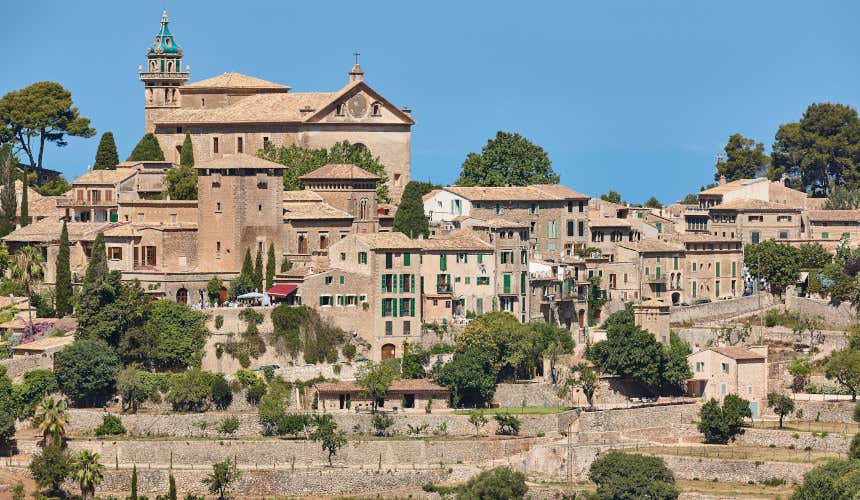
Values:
[(162, 76), (240, 208)]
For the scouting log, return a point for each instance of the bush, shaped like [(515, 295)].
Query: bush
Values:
[(719, 425), (229, 425), (508, 425), (220, 392), (219, 322), (500, 483), (255, 392), (190, 391), (348, 351), (381, 424), (51, 467), (36, 385), (854, 447), (86, 371), (626, 475), (833, 479), (111, 426)]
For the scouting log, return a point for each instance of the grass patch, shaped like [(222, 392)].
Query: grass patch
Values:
[(810, 426), (731, 490), (518, 410), (733, 452)]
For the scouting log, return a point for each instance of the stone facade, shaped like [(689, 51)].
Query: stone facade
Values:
[(719, 371)]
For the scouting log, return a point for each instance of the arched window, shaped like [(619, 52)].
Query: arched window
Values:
[(376, 107), (362, 209), (182, 296), (169, 66), (388, 351), (339, 110)]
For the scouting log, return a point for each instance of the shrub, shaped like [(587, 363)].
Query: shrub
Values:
[(719, 425), (627, 475), (255, 392), (111, 426), (854, 447), (220, 392), (86, 371), (51, 467), (268, 372), (36, 385), (190, 391), (229, 425), (508, 425), (219, 322), (348, 351), (773, 481), (381, 424), (499, 483)]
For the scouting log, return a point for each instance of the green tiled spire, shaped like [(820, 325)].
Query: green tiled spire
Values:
[(164, 42)]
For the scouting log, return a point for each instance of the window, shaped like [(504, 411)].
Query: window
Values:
[(700, 366), (756, 218), (580, 228), (341, 279), (389, 308), (240, 145), (462, 258), (755, 237), (407, 327), (407, 307), (497, 209), (375, 107), (218, 246), (734, 269), (783, 235), (407, 258), (694, 266), (524, 257), (570, 231), (825, 236), (388, 283), (443, 262), (173, 218), (325, 300), (726, 368), (265, 142), (389, 260), (506, 283), (717, 270), (339, 110), (362, 257), (480, 258), (534, 208), (343, 256), (328, 280), (389, 328), (323, 241), (215, 145), (569, 206), (783, 218), (552, 229), (140, 217), (482, 280), (217, 207), (115, 253), (694, 289)]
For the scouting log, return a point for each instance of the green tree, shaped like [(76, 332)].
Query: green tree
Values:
[(220, 392), (213, 290), (8, 408), (800, 370), (470, 377), (106, 156), (224, 474), (652, 202), (584, 377), (781, 404), (243, 283), (514, 348), (132, 388), (500, 483), (478, 419), (270, 266), (87, 472), (690, 199), (133, 495), (374, 380), (410, 218), (28, 269), (509, 159), (507, 424), (821, 151), (629, 476), (186, 153), (676, 371), (86, 370), (300, 161), (612, 197), (171, 489), (51, 467), (813, 256), (258, 270), (630, 351), (833, 479), (181, 183), (413, 361), (112, 310), (8, 196), (777, 263), (843, 198), (171, 339), (844, 367), (38, 114), (51, 417), (854, 448), (327, 435), (190, 390), (147, 149), (720, 424), (63, 293), (36, 384), (54, 187), (745, 159)]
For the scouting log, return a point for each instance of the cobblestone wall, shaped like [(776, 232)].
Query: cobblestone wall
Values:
[(822, 411), (530, 394), (721, 309), (837, 443), (15, 367), (843, 315), (638, 418), (735, 471)]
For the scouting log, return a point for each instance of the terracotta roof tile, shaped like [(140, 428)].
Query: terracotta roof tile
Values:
[(104, 177), (834, 215), (301, 195), (47, 230), (460, 240), (651, 245), (541, 192), (608, 222), (234, 81), (339, 171), (392, 240), (737, 352), (752, 204), (304, 210), (238, 160), (260, 108)]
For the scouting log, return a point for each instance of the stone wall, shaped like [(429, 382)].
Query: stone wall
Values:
[(528, 394), (836, 443), (823, 411), (16, 367), (285, 453), (721, 309), (843, 315), (625, 419), (734, 471), (206, 424)]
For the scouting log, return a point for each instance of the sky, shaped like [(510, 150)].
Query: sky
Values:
[(637, 97)]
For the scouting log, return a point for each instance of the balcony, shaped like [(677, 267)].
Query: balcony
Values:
[(444, 288), (74, 203), (655, 278), (178, 76)]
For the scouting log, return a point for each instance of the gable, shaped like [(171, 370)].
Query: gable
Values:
[(358, 103)]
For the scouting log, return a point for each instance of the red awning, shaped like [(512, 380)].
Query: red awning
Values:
[(281, 290)]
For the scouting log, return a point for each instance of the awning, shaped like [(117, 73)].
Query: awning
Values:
[(281, 290)]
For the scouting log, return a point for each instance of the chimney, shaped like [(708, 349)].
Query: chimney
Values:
[(722, 180)]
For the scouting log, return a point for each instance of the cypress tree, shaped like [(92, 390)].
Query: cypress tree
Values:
[(247, 272), (106, 155), (63, 288), (410, 219), (147, 149), (186, 155), (133, 495), (258, 270), (97, 269), (270, 266), (25, 204), (171, 491), (92, 288), (8, 198)]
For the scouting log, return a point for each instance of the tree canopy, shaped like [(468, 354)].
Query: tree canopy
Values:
[(652, 202), (777, 263), (410, 218), (509, 159), (63, 293), (86, 370), (612, 197), (106, 156), (147, 149), (745, 159), (821, 151), (300, 161), (181, 182), (171, 338), (39, 114), (624, 476)]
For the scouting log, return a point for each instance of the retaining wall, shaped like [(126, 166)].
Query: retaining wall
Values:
[(734, 471), (843, 315), (528, 394), (15, 367), (823, 411), (638, 418), (836, 443), (721, 309)]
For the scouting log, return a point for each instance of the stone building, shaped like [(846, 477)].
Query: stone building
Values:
[(235, 114), (828, 227), (760, 188), (402, 395), (713, 269), (557, 217), (742, 371), (653, 315), (659, 267), (558, 293), (754, 220)]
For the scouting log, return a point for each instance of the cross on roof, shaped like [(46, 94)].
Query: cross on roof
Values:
[(356, 54)]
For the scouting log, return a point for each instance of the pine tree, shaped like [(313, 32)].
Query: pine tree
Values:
[(410, 219), (186, 156), (258, 270), (106, 155), (63, 288), (25, 204), (8, 198), (270, 266), (147, 149)]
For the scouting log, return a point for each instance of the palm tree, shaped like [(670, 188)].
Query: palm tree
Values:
[(28, 268), (88, 472), (52, 416)]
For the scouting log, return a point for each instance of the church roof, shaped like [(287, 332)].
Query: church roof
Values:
[(312, 210), (48, 230), (238, 160), (164, 42), (340, 171), (233, 80), (260, 108)]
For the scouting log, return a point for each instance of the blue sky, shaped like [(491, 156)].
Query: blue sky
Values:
[(633, 96)]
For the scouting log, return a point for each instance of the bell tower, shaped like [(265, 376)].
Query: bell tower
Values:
[(162, 76)]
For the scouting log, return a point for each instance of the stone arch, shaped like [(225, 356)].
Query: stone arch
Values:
[(388, 351), (182, 296), (676, 298), (581, 318), (363, 206)]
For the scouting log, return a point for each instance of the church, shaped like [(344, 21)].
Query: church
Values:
[(234, 113)]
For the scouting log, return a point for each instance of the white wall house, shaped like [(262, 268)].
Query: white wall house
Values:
[(444, 206)]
